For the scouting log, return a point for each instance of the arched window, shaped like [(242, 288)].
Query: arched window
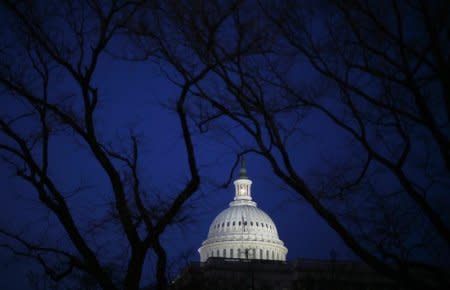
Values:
[(234, 223), (273, 255), (218, 253), (261, 254), (224, 253), (239, 253), (231, 253), (267, 254), (254, 253)]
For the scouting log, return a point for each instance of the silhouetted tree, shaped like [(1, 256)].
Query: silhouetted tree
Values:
[(377, 73), (49, 57), (259, 73)]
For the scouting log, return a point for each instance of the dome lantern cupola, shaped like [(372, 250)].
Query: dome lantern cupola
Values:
[(243, 184)]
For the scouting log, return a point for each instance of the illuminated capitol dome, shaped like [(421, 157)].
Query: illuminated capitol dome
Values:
[(243, 230)]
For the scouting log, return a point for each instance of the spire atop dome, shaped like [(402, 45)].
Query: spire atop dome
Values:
[(243, 170)]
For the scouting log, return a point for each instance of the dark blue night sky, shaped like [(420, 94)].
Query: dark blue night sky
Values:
[(350, 120), (134, 97)]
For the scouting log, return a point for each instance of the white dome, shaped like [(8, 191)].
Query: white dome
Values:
[(243, 230)]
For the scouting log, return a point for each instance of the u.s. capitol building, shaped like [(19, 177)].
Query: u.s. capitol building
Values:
[(243, 251), (243, 230)]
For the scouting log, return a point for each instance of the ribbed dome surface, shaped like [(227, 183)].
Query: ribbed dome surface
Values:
[(245, 221)]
